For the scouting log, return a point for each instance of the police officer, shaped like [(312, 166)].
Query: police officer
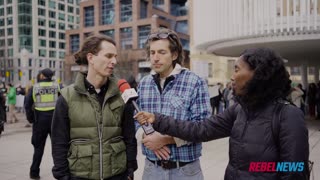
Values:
[(39, 105)]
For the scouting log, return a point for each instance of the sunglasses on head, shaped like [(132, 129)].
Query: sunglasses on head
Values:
[(162, 35)]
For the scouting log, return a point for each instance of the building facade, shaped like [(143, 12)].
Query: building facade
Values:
[(32, 37), (291, 27), (128, 22)]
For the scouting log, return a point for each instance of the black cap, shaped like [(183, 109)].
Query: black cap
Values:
[(47, 73)]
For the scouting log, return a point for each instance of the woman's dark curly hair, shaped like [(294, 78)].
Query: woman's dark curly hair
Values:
[(271, 80)]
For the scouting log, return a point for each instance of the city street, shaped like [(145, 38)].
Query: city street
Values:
[(16, 154)]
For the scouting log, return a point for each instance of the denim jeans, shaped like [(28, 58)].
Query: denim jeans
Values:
[(191, 171)]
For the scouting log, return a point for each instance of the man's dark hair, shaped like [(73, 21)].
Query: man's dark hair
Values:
[(91, 45), (270, 80)]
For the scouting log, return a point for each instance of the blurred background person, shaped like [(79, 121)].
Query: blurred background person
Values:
[(12, 95)]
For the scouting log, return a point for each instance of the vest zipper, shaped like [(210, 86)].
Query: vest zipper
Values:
[(101, 156)]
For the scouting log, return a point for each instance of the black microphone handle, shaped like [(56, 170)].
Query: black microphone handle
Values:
[(147, 127)]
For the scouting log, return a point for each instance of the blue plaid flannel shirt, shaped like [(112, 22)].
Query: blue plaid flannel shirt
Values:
[(185, 98)]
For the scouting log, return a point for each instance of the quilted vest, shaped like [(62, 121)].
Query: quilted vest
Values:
[(97, 150)]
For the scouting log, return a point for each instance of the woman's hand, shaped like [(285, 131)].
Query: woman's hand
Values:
[(144, 117)]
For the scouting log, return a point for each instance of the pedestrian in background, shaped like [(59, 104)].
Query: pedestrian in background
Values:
[(260, 82), (40, 104), (12, 95), (3, 113), (92, 132)]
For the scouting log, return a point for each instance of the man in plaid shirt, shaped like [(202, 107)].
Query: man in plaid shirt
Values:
[(174, 91)]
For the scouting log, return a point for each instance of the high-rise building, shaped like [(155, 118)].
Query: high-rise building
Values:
[(32, 37), (129, 22)]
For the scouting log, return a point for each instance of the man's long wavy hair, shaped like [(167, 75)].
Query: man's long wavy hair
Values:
[(270, 82)]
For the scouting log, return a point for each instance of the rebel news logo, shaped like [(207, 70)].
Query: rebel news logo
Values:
[(276, 166)]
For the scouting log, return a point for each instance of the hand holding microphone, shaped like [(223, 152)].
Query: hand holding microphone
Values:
[(130, 95)]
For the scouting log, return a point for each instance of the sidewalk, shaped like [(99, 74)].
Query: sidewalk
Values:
[(16, 154), (17, 127)]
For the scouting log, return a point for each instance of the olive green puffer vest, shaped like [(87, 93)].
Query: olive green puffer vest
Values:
[(97, 150)]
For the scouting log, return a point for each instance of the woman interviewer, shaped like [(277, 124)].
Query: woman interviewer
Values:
[(260, 82)]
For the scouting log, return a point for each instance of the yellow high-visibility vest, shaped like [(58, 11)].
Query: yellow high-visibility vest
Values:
[(45, 95)]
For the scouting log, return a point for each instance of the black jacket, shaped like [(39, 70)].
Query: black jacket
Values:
[(251, 138)]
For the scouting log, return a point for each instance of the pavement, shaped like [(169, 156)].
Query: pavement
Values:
[(16, 154)]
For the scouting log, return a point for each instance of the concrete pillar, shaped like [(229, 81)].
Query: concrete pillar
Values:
[(316, 74), (304, 75)]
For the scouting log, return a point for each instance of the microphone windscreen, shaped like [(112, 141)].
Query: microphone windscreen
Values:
[(123, 85)]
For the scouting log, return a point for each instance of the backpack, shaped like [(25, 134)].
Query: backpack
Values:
[(275, 126)]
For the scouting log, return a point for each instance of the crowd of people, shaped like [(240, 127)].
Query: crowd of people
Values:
[(94, 134)]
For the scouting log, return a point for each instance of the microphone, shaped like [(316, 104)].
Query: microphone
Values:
[(130, 95)]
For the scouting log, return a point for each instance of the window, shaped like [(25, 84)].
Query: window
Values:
[(143, 9), (61, 16), (70, 9), (2, 42), (30, 62), (42, 52), (1, 11), (182, 27), (42, 2), (70, 1), (125, 10), (52, 14), (52, 34), (1, 22), (185, 44), (41, 22), (9, 1), (159, 4), (74, 43), (24, 9), (61, 36), (42, 43), (2, 33), (9, 20), (62, 26), (9, 10), (126, 38), (10, 53), (25, 19), (89, 16), (52, 54), (40, 62), (109, 33), (52, 4), (61, 56), (42, 32), (143, 35), (10, 31), (178, 8), (52, 24), (61, 7), (70, 18), (52, 44), (107, 15), (41, 12), (61, 45), (24, 30), (25, 41), (295, 70), (10, 42)]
